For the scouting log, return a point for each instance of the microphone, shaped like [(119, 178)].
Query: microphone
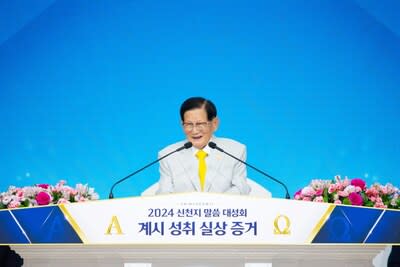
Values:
[(185, 146), (214, 146)]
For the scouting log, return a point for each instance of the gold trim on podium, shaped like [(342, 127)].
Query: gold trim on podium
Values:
[(320, 223), (73, 223)]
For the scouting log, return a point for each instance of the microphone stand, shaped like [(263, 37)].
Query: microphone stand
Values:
[(214, 146), (185, 146)]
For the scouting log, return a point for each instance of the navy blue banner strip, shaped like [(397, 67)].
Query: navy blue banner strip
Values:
[(10, 231), (348, 224), (46, 225), (387, 229)]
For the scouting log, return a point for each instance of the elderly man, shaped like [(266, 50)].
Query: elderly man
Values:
[(200, 168)]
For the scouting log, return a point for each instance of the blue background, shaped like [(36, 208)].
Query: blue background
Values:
[(90, 90)]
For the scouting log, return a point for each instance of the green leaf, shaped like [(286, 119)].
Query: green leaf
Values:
[(385, 198), (25, 203), (369, 203), (365, 197), (56, 197), (325, 195)]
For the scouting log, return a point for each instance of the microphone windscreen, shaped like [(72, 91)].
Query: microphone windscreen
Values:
[(188, 145), (212, 145)]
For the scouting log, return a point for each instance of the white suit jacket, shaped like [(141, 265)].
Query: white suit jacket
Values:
[(179, 172)]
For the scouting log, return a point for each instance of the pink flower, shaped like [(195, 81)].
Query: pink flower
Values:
[(43, 198), (358, 182), (63, 201), (384, 190), (346, 182), (337, 201), (44, 186), (319, 192), (391, 189), (341, 185), (372, 191), (297, 195), (20, 193), (355, 199), (13, 204), (308, 191), (332, 188), (380, 205), (319, 199)]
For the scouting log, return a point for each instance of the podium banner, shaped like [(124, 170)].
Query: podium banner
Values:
[(199, 218)]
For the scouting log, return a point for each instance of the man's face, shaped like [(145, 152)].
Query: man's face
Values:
[(197, 128)]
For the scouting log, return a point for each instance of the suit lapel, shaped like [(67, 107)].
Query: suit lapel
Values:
[(214, 163), (190, 165)]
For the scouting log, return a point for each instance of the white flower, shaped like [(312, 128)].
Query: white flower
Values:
[(65, 194), (94, 196), (308, 191), (319, 184), (350, 189), (31, 191), (82, 189), (6, 199), (91, 191)]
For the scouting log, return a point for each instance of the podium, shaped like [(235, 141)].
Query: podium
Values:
[(199, 230)]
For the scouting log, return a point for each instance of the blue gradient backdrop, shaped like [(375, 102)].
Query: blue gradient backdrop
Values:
[(90, 90)]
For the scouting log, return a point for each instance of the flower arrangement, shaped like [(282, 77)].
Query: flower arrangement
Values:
[(351, 192), (45, 194)]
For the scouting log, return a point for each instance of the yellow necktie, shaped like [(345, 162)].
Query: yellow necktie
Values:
[(201, 155)]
